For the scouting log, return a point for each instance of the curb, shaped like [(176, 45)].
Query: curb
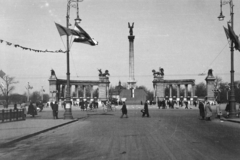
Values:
[(229, 120), (37, 133)]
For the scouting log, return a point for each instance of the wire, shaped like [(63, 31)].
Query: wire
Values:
[(216, 57)]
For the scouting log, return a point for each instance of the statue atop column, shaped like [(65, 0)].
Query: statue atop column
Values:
[(105, 74), (131, 28), (158, 74)]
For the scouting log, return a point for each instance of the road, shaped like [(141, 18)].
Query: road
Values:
[(167, 134)]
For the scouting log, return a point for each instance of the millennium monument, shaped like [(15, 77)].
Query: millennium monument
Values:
[(131, 81)]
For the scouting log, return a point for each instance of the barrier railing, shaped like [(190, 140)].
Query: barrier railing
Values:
[(12, 115)]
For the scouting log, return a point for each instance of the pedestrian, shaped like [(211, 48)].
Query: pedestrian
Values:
[(186, 104), (145, 111), (218, 110), (208, 111), (201, 109), (15, 106), (163, 104), (55, 110), (124, 110), (32, 110), (23, 106), (227, 109), (159, 104)]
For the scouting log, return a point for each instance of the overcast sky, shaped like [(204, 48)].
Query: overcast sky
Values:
[(182, 36)]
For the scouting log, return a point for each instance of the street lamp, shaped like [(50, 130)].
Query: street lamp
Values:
[(68, 111), (232, 112)]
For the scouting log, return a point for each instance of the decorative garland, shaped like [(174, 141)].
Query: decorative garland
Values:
[(30, 49)]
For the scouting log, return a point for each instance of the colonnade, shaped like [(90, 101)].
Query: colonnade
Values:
[(58, 88), (178, 90), (159, 86), (62, 90)]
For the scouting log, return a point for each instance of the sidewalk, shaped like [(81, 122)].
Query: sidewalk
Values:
[(14, 131)]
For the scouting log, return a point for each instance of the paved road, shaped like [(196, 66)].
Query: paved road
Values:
[(167, 134)]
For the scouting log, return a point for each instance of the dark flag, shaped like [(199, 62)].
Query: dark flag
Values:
[(63, 30), (226, 32), (234, 37), (83, 37)]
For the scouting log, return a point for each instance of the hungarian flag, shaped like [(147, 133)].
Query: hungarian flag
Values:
[(234, 37), (83, 37), (226, 32), (2, 74), (63, 30)]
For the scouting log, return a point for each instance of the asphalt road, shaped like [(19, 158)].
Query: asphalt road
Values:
[(167, 134)]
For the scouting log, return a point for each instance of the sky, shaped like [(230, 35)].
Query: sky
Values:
[(184, 37)]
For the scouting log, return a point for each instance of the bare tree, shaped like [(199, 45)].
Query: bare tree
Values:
[(217, 82), (7, 87)]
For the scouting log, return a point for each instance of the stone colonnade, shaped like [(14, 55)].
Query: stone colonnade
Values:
[(160, 84), (58, 88), (62, 91)]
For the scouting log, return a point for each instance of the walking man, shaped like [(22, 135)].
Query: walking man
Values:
[(55, 110), (201, 109), (145, 112), (124, 110)]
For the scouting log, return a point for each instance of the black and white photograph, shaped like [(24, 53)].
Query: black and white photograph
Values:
[(119, 80)]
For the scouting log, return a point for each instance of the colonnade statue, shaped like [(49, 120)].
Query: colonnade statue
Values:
[(105, 74), (160, 73)]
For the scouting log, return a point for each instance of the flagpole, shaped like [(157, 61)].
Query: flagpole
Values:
[(68, 110), (231, 97)]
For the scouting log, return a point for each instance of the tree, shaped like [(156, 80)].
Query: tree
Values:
[(17, 98), (36, 96), (217, 82), (45, 98), (7, 87), (201, 90), (149, 93)]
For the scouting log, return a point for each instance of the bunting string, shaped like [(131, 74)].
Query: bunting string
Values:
[(30, 49)]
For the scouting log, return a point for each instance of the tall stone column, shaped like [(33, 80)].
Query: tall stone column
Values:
[(193, 90), (62, 90), (170, 91), (154, 92), (131, 82), (186, 91), (65, 91), (84, 92), (76, 91), (71, 93), (91, 90), (58, 93), (103, 88), (178, 91)]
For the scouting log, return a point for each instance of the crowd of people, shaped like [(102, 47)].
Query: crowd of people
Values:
[(205, 109)]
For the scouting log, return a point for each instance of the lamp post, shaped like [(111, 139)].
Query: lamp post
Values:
[(68, 110), (232, 100)]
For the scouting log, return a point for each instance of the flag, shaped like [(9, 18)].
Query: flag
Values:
[(226, 32), (83, 37), (63, 30), (2, 74), (234, 37)]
